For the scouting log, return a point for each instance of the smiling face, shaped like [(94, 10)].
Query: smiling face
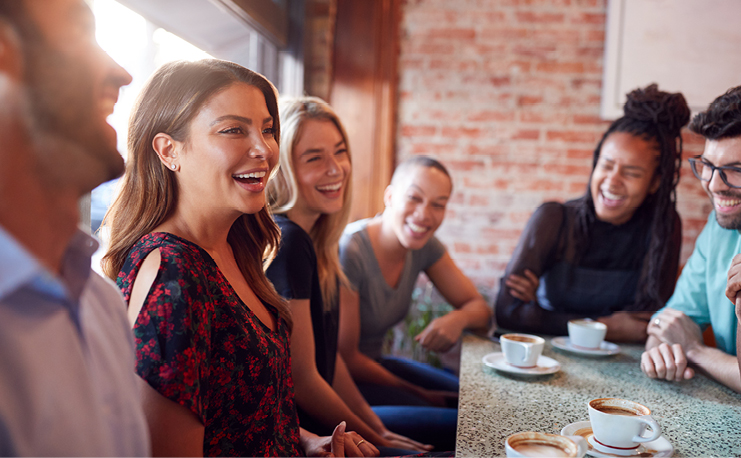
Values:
[(415, 205), (726, 200), (624, 175), (73, 86), (322, 167), (225, 163)]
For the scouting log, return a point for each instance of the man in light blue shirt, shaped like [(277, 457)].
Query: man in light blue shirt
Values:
[(701, 298), (67, 385)]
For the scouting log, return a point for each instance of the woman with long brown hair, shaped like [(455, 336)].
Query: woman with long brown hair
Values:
[(189, 234)]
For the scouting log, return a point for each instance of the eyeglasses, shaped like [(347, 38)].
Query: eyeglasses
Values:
[(730, 175)]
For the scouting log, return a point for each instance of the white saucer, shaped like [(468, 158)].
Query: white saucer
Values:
[(657, 448), (545, 365), (605, 349)]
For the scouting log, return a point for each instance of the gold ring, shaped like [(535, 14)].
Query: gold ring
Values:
[(361, 441)]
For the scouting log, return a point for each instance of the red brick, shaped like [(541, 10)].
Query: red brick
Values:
[(464, 165), (541, 18), (587, 119), (452, 34), (595, 35), (487, 249), (525, 100), (478, 201), (462, 132), (575, 153), (526, 134), (589, 18), (569, 170), (418, 131), (541, 52), (560, 67), (572, 136), (489, 115), (459, 247)]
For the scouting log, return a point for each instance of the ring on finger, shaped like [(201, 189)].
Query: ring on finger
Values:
[(657, 322), (360, 442)]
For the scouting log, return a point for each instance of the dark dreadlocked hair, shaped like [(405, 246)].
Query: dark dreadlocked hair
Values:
[(722, 119), (652, 115)]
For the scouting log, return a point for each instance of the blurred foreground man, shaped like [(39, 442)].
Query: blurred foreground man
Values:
[(712, 274), (67, 385)]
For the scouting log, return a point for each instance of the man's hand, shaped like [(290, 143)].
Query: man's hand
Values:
[(674, 327), (733, 285), (524, 287), (666, 362), (340, 444), (442, 333)]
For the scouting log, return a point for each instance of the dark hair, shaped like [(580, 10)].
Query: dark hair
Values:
[(652, 115), (419, 161), (722, 119), (147, 196)]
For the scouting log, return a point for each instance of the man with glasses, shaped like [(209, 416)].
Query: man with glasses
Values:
[(712, 274)]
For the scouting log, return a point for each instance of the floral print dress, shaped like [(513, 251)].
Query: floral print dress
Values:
[(198, 344)]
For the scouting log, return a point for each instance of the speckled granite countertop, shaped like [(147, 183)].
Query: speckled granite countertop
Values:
[(699, 416)]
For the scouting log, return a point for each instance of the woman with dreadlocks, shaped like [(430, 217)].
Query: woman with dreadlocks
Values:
[(613, 254)]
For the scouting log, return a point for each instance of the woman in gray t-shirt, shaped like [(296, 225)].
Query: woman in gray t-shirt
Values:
[(382, 258)]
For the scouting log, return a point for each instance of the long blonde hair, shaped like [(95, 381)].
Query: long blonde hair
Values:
[(283, 190), (148, 190)]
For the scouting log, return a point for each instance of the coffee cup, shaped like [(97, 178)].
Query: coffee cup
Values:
[(522, 350), (586, 333), (619, 425), (533, 444)]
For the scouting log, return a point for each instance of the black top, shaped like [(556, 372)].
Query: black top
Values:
[(604, 280), (295, 276)]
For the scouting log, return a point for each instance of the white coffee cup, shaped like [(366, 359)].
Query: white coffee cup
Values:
[(619, 425), (522, 350), (587, 333), (531, 444)]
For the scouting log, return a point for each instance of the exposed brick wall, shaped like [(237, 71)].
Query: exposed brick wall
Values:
[(506, 93)]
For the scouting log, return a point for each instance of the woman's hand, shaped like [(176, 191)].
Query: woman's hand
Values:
[(525, 287), (626, 326), (442, 333), (340, 444), (398, 441)]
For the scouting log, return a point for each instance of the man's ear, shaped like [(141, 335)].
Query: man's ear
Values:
[(11, 56), (388, 195), (167, 150)]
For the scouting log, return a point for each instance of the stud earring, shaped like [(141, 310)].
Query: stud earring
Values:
[(174, 166)]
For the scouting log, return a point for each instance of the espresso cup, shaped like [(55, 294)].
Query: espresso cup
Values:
[(533, 444), (521, 350), (587, 333), (619, 425)]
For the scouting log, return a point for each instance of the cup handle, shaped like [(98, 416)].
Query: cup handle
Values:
[(581, 445), (655, 430)]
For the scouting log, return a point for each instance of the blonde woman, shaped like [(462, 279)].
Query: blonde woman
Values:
[(310, 197), (189, 231)]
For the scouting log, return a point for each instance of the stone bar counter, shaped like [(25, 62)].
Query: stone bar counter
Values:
[(699, 417)]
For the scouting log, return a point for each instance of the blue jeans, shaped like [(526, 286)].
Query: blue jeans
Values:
[(428, 425), (414, 372)]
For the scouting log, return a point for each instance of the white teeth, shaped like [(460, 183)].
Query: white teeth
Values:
[(250, 175), (727, 202), (330, 187), (611, 196), (415, 228)]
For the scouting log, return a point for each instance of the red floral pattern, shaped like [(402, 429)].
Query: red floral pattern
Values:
[(200, 346)]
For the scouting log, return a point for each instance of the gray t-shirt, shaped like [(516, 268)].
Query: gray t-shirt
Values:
[(381, 306)]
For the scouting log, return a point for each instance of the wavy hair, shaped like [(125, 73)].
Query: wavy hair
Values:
[(148, 193), (722, 119), (283, 190), (650, 114)]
